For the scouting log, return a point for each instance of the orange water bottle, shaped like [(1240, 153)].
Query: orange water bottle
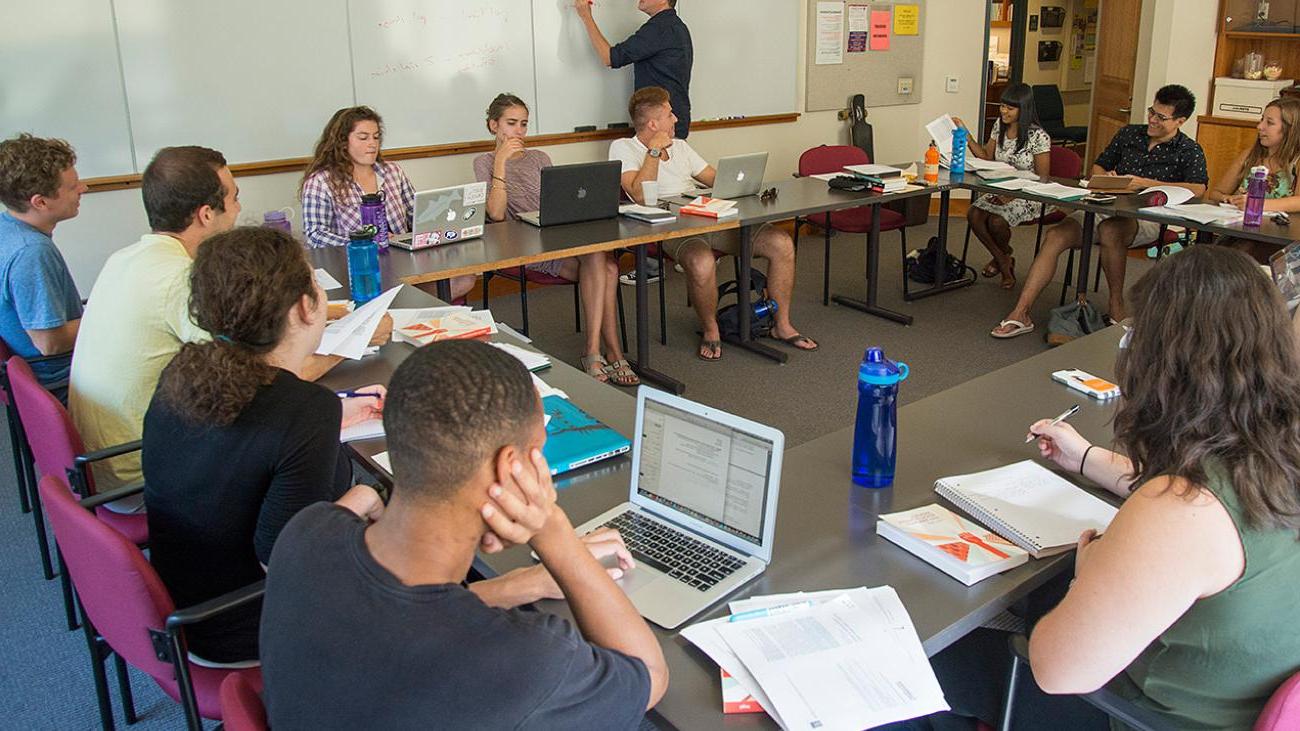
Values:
[(932, 164)]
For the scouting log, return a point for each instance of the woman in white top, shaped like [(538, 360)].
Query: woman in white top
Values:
[(1018, 140)]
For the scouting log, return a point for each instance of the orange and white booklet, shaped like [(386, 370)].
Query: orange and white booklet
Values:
[(423, 326), (958, 547), (710, 207)]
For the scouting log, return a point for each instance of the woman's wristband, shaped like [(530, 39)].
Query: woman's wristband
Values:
[(1084, 459)]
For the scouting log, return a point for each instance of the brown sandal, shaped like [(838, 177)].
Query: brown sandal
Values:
[(595, 366), (714, 349), (620, 373), (991, 269)]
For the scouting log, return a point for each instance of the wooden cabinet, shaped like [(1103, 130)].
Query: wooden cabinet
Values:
[(1223, 140)]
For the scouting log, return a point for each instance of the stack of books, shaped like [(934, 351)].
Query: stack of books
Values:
[(879, 178), (710, 208), (429, 325)]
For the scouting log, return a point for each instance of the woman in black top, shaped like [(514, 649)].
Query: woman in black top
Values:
[(235, 442)]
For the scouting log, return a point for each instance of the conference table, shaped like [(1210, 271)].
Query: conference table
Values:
[(1130, 205), (513, 244), (825, 526)]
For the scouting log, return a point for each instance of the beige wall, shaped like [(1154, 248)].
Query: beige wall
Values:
[(1176, 46), (109, 221)]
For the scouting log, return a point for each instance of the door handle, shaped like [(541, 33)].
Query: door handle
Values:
[(1125, 110)]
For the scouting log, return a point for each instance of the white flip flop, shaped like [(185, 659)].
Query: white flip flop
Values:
[(1021, 329)]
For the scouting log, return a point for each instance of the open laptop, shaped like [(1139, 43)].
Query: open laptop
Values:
[(576, 193), (445, 216), (701, 511), (737, 176)]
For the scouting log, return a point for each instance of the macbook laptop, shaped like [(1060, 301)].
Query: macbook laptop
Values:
[(445, 216), (737, 176), (701, 510), (576, 193)]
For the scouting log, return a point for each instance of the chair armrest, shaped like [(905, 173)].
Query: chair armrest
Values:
[(212, 607), (108, 452), (94, 501)]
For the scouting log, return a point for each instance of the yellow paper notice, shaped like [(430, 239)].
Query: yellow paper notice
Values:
[(907, 20)]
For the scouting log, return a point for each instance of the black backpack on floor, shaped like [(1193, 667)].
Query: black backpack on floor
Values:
[(729, 316), (921, 265)]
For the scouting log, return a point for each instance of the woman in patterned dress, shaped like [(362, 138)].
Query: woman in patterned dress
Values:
[(1018, 140)]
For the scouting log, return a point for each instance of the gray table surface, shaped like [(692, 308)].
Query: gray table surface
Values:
[(825, 536)]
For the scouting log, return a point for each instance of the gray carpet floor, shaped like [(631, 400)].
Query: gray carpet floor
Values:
[(45, 681)]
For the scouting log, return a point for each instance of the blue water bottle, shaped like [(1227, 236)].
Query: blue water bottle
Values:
[(363, 265), (957, 162), (875, 438), (373, 214)]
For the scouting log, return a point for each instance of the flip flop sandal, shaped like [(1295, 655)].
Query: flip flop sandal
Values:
[(991, 269), (620, 373), (596, 367), (1020, 329), (1009, 279), (794, 341), (715, 349)]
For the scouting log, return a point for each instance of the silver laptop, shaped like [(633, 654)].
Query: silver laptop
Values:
[(445, 216), (738, 176), (701, 511), (577, 193)]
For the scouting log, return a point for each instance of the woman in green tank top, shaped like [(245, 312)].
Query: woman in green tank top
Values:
[(1189, 602), (1277, 148)]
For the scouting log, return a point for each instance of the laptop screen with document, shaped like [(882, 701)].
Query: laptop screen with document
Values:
[(705, 469)]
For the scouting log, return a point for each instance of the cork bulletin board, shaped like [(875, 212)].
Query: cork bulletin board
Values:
[(874, 52)]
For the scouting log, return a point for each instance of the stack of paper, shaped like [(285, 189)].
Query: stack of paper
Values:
[(835, 660), (532, 360), (875, 171), (646, 214), (350, 336), (1203, 213), (431, 324)]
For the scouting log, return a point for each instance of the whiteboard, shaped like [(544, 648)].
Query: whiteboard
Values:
[(61, 79), (431, 67), (751, 73), (256, 80), (574, 87)]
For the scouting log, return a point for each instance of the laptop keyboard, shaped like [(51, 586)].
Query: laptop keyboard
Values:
[(662, 547)]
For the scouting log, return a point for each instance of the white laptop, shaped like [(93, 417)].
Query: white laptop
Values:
[(701, 511), (445, 216), (737, 176)]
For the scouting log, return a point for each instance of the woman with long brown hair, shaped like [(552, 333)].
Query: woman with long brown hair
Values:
[(347, 164), (235, 441), (1189, 601), (1277, 148)]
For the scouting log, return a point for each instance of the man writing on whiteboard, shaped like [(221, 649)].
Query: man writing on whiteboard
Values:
[(661, 55)]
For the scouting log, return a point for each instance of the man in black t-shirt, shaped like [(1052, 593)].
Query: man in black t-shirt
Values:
[(370, 627), (1155, 153)]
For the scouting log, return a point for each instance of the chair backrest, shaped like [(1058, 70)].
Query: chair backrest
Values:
[(54, 439), (5, 354), (1049, 105), (241, 705), (1283, 710), (830, 159), (116, 585), (1066, 163)]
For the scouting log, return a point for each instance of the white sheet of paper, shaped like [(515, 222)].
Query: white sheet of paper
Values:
[(777, 600), (531, 359), (941, 130), (705, 636), (1176, 194), (1198, 212), (830, 33), (349, 336), (382, 460), (326, 281), (826, 176), (854, 662), (1014, 183), (1055, 190), (545, 389), (368, 429)]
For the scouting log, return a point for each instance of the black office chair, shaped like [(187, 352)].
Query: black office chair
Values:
[(1051, 115)]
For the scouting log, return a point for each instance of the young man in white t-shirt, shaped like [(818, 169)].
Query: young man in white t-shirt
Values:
[(653, 155)]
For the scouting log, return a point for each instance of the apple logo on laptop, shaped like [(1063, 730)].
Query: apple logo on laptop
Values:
[(740, 176), (451, 216), (582, 193)]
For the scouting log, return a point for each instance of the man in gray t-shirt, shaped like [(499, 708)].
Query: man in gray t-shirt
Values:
[(371, 627)]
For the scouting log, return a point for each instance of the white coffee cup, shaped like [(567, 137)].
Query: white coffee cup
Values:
[(650, 192)]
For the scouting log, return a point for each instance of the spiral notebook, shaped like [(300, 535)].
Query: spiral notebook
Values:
[(1029, 505)]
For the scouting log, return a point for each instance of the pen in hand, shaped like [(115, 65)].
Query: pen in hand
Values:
[(356, 394), (1067, 414)]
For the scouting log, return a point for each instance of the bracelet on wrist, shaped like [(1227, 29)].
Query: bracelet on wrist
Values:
[(1084, 460)]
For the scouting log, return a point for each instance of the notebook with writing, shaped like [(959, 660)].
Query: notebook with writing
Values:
[(1029, 505), (575, 439)]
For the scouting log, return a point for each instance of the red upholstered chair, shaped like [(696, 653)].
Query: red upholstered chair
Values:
[(1065, 163), (832, 159), (241, 705), (58, 451), (24, 472), (128, 614)]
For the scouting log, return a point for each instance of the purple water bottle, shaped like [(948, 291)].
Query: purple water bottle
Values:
[(372, 214), (875, 437), (1256, 189), (277, 219)]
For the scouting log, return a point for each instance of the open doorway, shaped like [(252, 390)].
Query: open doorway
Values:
[(1052, 46)]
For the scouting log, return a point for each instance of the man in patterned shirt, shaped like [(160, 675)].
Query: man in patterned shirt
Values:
[(1155, 153)]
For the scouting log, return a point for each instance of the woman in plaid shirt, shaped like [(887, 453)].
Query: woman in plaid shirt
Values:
[(347, 164)]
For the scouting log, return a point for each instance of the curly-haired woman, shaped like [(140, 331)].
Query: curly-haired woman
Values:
[(235, 441)]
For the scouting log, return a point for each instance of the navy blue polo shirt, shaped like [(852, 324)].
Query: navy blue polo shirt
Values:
[(661, 54)]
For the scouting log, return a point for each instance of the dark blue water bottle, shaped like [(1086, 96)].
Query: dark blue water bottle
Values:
[(875, 438), (763, 308), (373, 214), (363, 265)]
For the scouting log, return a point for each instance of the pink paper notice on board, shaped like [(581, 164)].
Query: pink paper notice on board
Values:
[(880, 20)]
